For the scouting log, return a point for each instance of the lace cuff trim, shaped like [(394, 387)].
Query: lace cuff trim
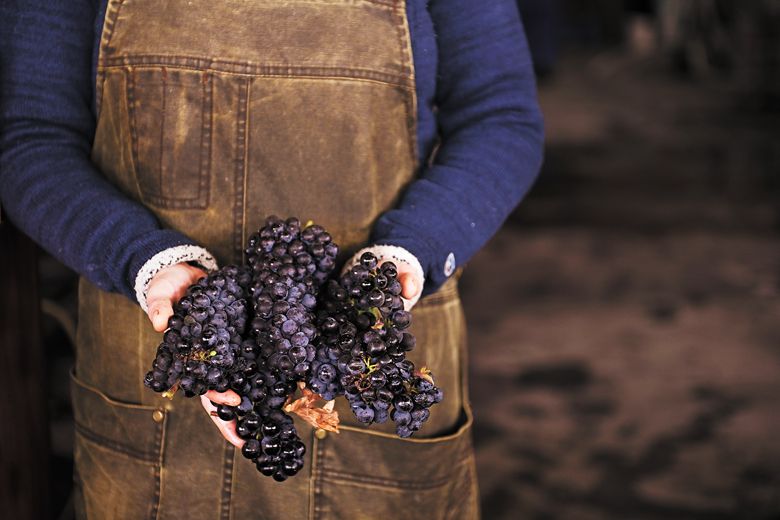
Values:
[(168, 257)]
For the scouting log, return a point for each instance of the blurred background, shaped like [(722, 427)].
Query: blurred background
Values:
[(625, 322)]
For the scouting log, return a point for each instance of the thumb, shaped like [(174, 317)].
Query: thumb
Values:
[(159, 312), (409, 286), (228, 397)]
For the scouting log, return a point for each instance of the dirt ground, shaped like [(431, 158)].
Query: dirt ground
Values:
[(625, 323)]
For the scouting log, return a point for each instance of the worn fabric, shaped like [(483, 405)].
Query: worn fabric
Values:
[(240, 114)]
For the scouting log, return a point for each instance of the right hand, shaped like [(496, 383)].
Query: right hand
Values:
[(166, 288)]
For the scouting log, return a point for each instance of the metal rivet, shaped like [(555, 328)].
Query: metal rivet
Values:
[(320, 433), (158, 416)]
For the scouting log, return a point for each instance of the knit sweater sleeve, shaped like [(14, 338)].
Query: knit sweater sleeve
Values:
[(491, 134), (48, 185)]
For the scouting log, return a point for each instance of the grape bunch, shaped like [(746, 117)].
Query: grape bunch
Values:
[(362, 346), (199, 351), (288, 265), (272, 443)]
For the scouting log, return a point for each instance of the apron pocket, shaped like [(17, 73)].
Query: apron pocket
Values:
[(362, 474), (118, 453), (170, 127)]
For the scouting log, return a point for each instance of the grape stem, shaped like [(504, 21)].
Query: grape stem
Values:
[(371, 368), (171, 391)]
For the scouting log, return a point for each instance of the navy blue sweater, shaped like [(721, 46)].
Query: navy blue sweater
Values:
[(471, 62)]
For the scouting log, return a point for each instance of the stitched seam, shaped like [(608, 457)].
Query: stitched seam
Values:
[(410, 100), (334, 78), (159, 439), (378, 487), (239, 209), (318, 473), (129, 74), (109, 24), (271, 70), (156, 499), (113, 445), (385, 3), (111, 17), (313, 465), (227, 481), (205, 139), (162, 131), (174, 203), (113, 402), (394, 483), (246, 166)]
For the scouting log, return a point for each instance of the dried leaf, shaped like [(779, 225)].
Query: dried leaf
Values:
[(324, 417), (425, 373)]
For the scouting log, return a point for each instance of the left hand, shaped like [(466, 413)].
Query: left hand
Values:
[(226, 428)]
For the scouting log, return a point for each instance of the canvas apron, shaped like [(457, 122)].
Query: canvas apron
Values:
[(214, 115)]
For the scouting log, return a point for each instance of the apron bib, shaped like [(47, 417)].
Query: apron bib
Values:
[(214, 115)]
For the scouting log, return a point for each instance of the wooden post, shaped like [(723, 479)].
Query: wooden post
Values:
[(24, 432)]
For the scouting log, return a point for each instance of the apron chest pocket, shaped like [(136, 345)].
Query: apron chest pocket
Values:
[(118, 452), (170, 128)]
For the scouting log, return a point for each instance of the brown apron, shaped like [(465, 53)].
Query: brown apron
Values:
[(214, 115)]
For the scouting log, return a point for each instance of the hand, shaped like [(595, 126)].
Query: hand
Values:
[(226, 428), (166, 288), (410, 272)]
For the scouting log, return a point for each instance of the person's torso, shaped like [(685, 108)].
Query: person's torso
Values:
[(213, 121)]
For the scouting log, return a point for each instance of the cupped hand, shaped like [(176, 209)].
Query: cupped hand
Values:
[(166, 288), (410, 273)]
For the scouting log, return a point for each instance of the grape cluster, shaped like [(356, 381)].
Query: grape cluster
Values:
[(289, 264), (251, 329), (264, 328), (362, 346), (272, 443), (199, 351)]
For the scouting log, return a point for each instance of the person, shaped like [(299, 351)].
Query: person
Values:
[(143, 141)]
